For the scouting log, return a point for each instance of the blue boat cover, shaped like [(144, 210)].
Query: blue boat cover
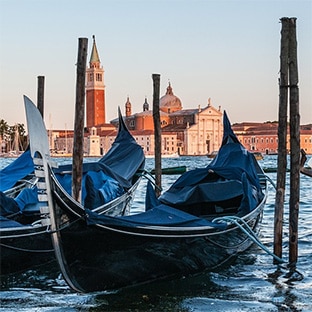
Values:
[(8, 205), (97, 188), (112, 175), (124, 145), (232, 173), (18, 169), (25, 202), (158, 215), (7, 223), (161, 215)]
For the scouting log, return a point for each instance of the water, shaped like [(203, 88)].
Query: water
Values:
[(251, 283)]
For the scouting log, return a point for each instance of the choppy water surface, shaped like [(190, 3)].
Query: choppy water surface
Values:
[(251, 283)]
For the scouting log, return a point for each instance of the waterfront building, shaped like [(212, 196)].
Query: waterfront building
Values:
[(195, 131), (263, 137)]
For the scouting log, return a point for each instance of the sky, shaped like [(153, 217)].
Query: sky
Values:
[(228, 51)]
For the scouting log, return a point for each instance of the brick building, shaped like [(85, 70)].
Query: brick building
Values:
[(263, 137)]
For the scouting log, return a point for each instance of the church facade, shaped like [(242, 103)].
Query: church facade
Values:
[(195, 131)]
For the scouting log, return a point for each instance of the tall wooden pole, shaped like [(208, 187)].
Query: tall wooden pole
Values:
[(157, 132), (79, 119), (282, 136), (294, 144), (40, 95)]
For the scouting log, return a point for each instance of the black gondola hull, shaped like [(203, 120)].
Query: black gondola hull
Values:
[(106, 258), (25, 236), (208, 216), (24, 248)]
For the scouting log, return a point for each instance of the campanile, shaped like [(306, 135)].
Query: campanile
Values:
[(95, 90)]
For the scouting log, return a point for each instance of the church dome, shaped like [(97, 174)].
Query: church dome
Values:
[(170, 103)]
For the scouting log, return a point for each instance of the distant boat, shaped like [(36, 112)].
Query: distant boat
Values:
[(272, 169), (171, 170), (173, 155)]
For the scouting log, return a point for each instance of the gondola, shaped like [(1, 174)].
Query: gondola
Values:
[(107, 187), (23, 242), (207, 217)]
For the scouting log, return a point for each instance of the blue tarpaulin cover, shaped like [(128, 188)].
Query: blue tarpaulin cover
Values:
[(18, 169), (123, 146), (161, 215), (95, 183), (112, 175), (7, 223), (232, 173), (158, 215)]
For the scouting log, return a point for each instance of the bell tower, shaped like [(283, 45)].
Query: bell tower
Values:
[(95, 90)]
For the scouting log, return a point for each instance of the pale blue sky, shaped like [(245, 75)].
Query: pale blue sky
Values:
[(226, 50)]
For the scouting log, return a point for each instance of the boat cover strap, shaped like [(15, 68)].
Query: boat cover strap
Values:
[(162, 215)]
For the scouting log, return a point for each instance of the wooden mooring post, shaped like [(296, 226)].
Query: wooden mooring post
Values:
[(79, 119), (157, 133), (40, 95), (282, 136), (288, 81), (294, 144)]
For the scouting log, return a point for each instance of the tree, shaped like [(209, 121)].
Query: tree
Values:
[(14, 137), (4, 127)]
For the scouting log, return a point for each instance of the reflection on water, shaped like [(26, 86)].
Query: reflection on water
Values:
[(250, 283)]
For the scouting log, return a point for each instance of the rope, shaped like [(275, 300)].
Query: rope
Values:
[(26, 250), (146, 174), (267, 178), (249, 232)]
